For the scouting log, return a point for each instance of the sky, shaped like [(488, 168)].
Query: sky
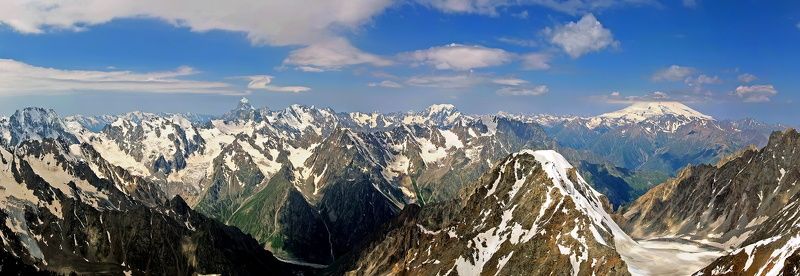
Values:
[(728, 59)]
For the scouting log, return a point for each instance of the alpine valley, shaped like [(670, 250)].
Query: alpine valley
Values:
[(656, 188)]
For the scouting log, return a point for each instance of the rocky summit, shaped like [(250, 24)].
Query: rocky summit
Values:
[(305, 190)]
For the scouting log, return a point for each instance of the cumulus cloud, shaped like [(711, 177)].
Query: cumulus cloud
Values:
[(673, 73), (536, 90), (755, 93), (459, 57), (298, 22), (264, 82), (536, 61), (265, 22), (19, 78), (331, 55), (582, 37), (747, 78), (386, 84)]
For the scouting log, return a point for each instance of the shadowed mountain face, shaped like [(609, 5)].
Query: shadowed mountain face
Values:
[(59, 216), (748, 203), (311, 184), (531, 210)]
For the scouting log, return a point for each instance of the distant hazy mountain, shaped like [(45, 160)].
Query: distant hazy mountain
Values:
[(653, 139)]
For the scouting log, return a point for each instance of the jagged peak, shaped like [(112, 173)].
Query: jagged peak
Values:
[(34, 115), (641, 111), (440, 108), (244, 103)]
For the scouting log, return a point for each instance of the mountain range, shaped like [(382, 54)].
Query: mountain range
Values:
[(416, 193)]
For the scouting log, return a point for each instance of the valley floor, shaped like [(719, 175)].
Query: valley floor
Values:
[(666, 257)]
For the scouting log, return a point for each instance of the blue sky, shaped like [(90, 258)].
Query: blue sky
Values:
[(729, 59)]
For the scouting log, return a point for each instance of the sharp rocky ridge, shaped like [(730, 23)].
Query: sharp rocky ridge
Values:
[(310, 184)]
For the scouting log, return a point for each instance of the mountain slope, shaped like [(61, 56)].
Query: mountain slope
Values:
[(59, 216), (653, 140), (747, 204), (723, 203), (531, 210)]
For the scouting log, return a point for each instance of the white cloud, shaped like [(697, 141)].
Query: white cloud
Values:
[(673, 73), (798, 25), (523, 91), (755, 93), (690, 3), (702, 79), (509, 81), (331, 55), (490, 7), (466, 6), (446, 81), (386, 84), (18, 78), (747, 78), (536, 61), (518, 41), (582, 37), (298, 22), (264, 82), (459, 57), (617, 97)]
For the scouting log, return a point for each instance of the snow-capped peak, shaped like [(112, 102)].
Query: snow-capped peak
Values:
[(440, 108), (437, 114), (34, 123), (641, 111), (244, 104)]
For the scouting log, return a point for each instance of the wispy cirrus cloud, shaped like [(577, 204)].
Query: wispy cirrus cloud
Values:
[(264, 82), (19, 78), (385, 84), (536, 90), (491, 7), (747, 78), (617, 97), (673, 73)]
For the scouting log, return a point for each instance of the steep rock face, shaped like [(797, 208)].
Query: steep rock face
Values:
[(723, 203), (59, 216), (773, 249), (747, 203), (340, 184), (34, 123), (531, 210)]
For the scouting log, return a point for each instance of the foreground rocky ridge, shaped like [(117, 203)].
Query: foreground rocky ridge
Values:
[(531, 210), (747, 204)]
